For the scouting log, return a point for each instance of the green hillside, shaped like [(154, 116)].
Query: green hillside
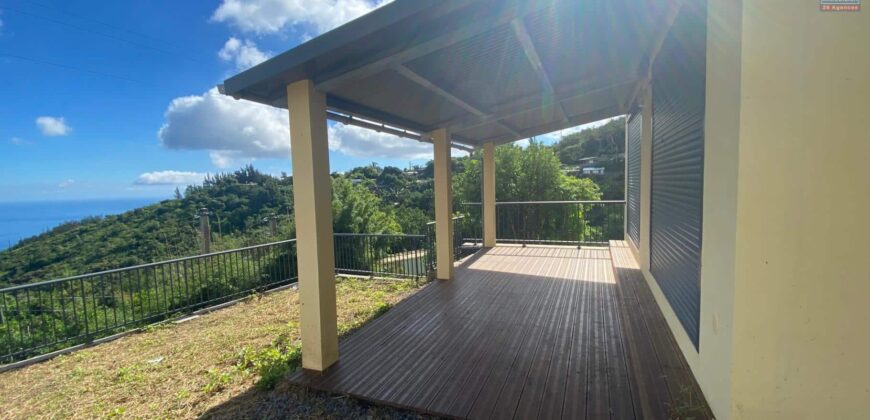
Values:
[(607, 144), (239, 204), (368, 199)]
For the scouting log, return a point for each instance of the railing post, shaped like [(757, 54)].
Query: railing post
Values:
[(577, 213), (430, 251), (273, 225), (85, 311), (205, 230)]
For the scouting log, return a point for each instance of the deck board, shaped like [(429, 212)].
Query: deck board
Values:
[(522, 332), (464, 375)]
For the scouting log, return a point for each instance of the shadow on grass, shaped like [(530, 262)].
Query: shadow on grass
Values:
[(276, 397), (288, 400)]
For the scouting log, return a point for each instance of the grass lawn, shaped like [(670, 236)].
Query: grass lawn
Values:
[(229, 363)]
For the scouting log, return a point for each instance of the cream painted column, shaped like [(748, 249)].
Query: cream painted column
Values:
[(443, 205), (645, 173), (487, 207), (312, 195)]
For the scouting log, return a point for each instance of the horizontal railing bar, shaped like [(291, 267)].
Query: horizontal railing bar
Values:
[(358, 272), (514, 241), (139, 267), (552, 202), (389, 235), (454, 218)]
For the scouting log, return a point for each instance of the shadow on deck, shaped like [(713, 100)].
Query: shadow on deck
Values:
[(534, 332)]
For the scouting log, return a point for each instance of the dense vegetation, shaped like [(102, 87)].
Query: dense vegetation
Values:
[(524, 174), (532, 174), (368, 199), (240, 205), (247, 207)]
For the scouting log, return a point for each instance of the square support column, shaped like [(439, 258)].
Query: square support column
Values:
[(443, 205), (488, 200), (312, 195)]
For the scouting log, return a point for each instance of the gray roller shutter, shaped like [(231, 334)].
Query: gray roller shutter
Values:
[(678, 165), (632, 179)]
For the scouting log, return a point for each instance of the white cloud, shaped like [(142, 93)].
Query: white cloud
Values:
[(244, 54), (170, 178), (271, 16), (362, 142), (230, 158), (18, 141), (235, 132), (53, 126), (66, 183), (230, 129)]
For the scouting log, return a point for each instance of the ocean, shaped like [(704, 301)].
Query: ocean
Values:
[(22, 220)]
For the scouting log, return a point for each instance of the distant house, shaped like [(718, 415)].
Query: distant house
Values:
[(413, 171), (588, 161), (593, 170)]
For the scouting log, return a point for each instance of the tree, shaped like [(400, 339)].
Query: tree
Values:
[(530, 174), (355, 209), (527, 174)]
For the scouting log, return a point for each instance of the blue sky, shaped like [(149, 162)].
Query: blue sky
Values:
[(105, 99)]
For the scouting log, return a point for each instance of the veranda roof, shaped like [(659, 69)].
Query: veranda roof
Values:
[(489, 70)]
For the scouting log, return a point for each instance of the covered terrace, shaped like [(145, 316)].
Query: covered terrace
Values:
[(505, 332)]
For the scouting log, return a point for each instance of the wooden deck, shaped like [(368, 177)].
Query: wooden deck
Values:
[(536, 332)]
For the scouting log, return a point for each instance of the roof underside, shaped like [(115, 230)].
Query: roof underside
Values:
[(489, 70)]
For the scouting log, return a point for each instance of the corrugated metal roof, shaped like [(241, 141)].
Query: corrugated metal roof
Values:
[(490, 70)]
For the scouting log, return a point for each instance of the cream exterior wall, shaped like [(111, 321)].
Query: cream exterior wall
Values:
[(802, 260), (785, 271), (712, 362)]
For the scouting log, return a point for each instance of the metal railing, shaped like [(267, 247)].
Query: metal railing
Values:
[(552, 222), (463, 244), (39, 318), (405, 256)]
